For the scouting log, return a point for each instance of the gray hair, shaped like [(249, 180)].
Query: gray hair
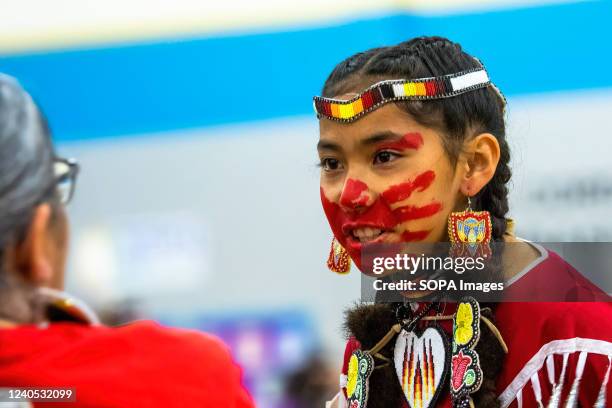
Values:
[(26, 178)]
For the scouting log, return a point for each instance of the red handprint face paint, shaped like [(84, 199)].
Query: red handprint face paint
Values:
[(355, 194), (378, 222), (411, 140), (385, 179), (402, 191)]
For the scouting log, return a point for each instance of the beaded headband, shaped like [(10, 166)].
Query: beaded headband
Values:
[(400, 90)]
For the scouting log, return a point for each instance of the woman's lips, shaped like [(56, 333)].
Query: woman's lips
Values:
[(366, 234), (357, 236)]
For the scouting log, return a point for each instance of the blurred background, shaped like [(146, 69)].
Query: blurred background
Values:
[(198, 201)]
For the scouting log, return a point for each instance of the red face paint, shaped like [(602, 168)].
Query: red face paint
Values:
[(412, 236), (355, 194), (336, 218), (342, 223), (412, 140), (400, 192), (411, 212), (380, 216)]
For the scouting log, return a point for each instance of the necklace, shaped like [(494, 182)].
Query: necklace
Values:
[(421, 359)]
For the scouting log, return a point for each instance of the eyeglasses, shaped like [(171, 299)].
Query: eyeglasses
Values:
[(66, 171)]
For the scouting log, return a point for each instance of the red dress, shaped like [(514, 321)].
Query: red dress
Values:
[(554, 347), (140, 364)]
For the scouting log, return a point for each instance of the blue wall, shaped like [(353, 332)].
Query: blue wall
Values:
[(187, 83)]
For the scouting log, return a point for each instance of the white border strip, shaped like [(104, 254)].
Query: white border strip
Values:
[(543, 256), (574, 345), (41, 25), (468, 80)]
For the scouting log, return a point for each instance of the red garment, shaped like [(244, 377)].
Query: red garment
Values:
[(540, 336), (140, 364)]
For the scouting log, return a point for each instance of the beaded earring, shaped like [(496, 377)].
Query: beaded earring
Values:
[(470, 232), (338, 260)]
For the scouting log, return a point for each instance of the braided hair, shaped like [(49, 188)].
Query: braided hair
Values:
[(457, 119)]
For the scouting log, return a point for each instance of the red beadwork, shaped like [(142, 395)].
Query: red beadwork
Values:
[(462, 248), (327, 108), (440, 86), (376, 96), (383, 91), (430, 88), (339, 262), (366, 98)]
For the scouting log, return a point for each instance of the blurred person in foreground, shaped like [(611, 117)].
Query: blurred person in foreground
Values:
[(48, 339)]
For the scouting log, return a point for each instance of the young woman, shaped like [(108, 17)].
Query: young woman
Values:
[(410, 136), (51, 343)]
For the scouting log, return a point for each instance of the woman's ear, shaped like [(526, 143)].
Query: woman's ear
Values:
[(482, 157), (34, 254)]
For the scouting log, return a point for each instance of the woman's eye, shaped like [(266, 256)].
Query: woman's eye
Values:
[(329, 164), (385, 157)]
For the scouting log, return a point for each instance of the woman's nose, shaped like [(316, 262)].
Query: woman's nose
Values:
[(355, 194)]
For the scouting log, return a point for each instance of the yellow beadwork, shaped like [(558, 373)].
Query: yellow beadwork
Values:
[(358, 106), (334, 109), (393, 90), (409, 89), (353, 368), (420, 89), (346, 111), (464, 319)]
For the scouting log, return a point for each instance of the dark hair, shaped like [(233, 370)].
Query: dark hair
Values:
[(457, 118), (26, 180)]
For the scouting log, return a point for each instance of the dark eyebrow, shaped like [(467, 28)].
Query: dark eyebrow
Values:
[(380, 137), (327, 145)]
